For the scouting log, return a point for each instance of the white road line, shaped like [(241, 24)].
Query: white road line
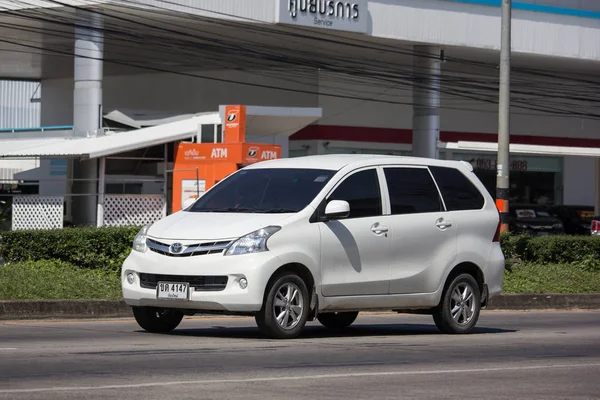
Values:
[(8, 348), (295, 378)]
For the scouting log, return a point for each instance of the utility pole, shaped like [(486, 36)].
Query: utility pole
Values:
[(503, 167)]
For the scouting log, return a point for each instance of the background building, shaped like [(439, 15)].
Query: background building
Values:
[(413, 77)]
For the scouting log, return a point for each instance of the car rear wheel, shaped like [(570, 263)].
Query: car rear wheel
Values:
[(337, 320), (458, 311), (157, 320), (285, 309)]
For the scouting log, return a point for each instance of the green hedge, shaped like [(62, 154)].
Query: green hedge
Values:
[(90, 248), (106, 248), (560, 249)]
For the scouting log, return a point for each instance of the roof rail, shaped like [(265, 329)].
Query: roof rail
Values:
[(468, 165)]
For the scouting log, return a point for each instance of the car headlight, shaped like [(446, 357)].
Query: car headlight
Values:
[(254, 242), (139, 242)]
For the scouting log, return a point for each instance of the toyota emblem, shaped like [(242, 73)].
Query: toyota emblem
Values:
[(176, 248)]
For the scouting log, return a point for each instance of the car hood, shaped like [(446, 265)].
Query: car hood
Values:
[(185, 225)]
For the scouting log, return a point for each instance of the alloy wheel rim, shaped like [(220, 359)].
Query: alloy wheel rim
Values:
[(462, 304), (288, 306)]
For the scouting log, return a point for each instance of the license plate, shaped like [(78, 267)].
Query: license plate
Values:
[(172, 290), (542, 233)]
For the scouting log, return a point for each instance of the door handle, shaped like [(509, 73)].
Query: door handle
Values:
[(378, 229), (443, 224)]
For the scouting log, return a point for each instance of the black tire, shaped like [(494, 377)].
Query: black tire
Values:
[(442, 314), (157, 320), (337, 320), (276, 303)]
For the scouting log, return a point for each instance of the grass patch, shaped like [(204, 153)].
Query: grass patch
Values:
[(528, 278), (56, 280)]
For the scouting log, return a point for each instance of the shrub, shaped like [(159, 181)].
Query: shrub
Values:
[(89, 248), (584, 251), (107, 248)]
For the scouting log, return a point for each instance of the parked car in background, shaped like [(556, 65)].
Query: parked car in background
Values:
[(576, 219), (534, 219), (595, 226)]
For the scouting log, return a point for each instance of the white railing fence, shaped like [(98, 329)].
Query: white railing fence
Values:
[(37, 212), (131, 210)]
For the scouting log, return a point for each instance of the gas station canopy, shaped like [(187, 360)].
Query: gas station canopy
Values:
[(260, 122)]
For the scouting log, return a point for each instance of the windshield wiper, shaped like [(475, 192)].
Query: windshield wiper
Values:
[(231, 209), (279, 210)]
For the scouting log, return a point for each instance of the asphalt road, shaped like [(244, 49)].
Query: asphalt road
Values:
[(519, 355)]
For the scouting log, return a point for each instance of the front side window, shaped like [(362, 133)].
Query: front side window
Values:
[(361, 191), (269, 190), (412, 190)]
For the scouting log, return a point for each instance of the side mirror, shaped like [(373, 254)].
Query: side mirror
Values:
[(337, 209)]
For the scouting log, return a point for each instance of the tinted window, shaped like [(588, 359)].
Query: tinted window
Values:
[(412, 190), (457, 190), (264, 190), (361, 191)]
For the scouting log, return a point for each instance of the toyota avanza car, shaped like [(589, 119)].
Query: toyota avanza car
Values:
[(323, 237)]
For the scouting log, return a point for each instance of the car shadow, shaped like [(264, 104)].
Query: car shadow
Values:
[(319, 332)]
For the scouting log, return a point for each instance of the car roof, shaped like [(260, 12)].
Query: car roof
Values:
[(337, 162)]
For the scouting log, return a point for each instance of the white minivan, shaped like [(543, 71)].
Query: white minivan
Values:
[(323, 237)]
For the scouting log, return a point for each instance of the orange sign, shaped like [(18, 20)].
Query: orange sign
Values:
[(240, 153), (253, 153), (235, 124)]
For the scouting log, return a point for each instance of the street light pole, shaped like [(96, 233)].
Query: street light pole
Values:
[(502, 180)]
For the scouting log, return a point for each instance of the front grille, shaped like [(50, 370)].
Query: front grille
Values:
[(199, 283), (196, 249)]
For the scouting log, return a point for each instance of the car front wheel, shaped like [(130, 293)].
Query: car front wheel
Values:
[(285, 309), (458, 311)]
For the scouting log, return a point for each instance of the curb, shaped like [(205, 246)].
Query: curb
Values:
[(56, 309), (44, 309), (545, 302)]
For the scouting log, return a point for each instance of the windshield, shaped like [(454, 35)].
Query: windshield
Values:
[(264, 191)]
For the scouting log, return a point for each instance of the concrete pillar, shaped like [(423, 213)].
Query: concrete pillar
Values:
[(87, 113), (426, 99), (100, 206), (597, 187)]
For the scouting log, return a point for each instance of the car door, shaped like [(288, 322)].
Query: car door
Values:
[(424, 240), (355, 250)]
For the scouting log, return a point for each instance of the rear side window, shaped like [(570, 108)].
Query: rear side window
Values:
[(361, 191), (457, 190), (412, 191)]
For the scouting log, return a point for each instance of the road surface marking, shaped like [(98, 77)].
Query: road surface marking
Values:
[(295, 378)]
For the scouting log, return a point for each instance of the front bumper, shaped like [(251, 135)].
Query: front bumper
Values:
[(255, 268)]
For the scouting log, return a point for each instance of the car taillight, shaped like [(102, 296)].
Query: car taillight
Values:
[(497, 234), (595, 227)]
